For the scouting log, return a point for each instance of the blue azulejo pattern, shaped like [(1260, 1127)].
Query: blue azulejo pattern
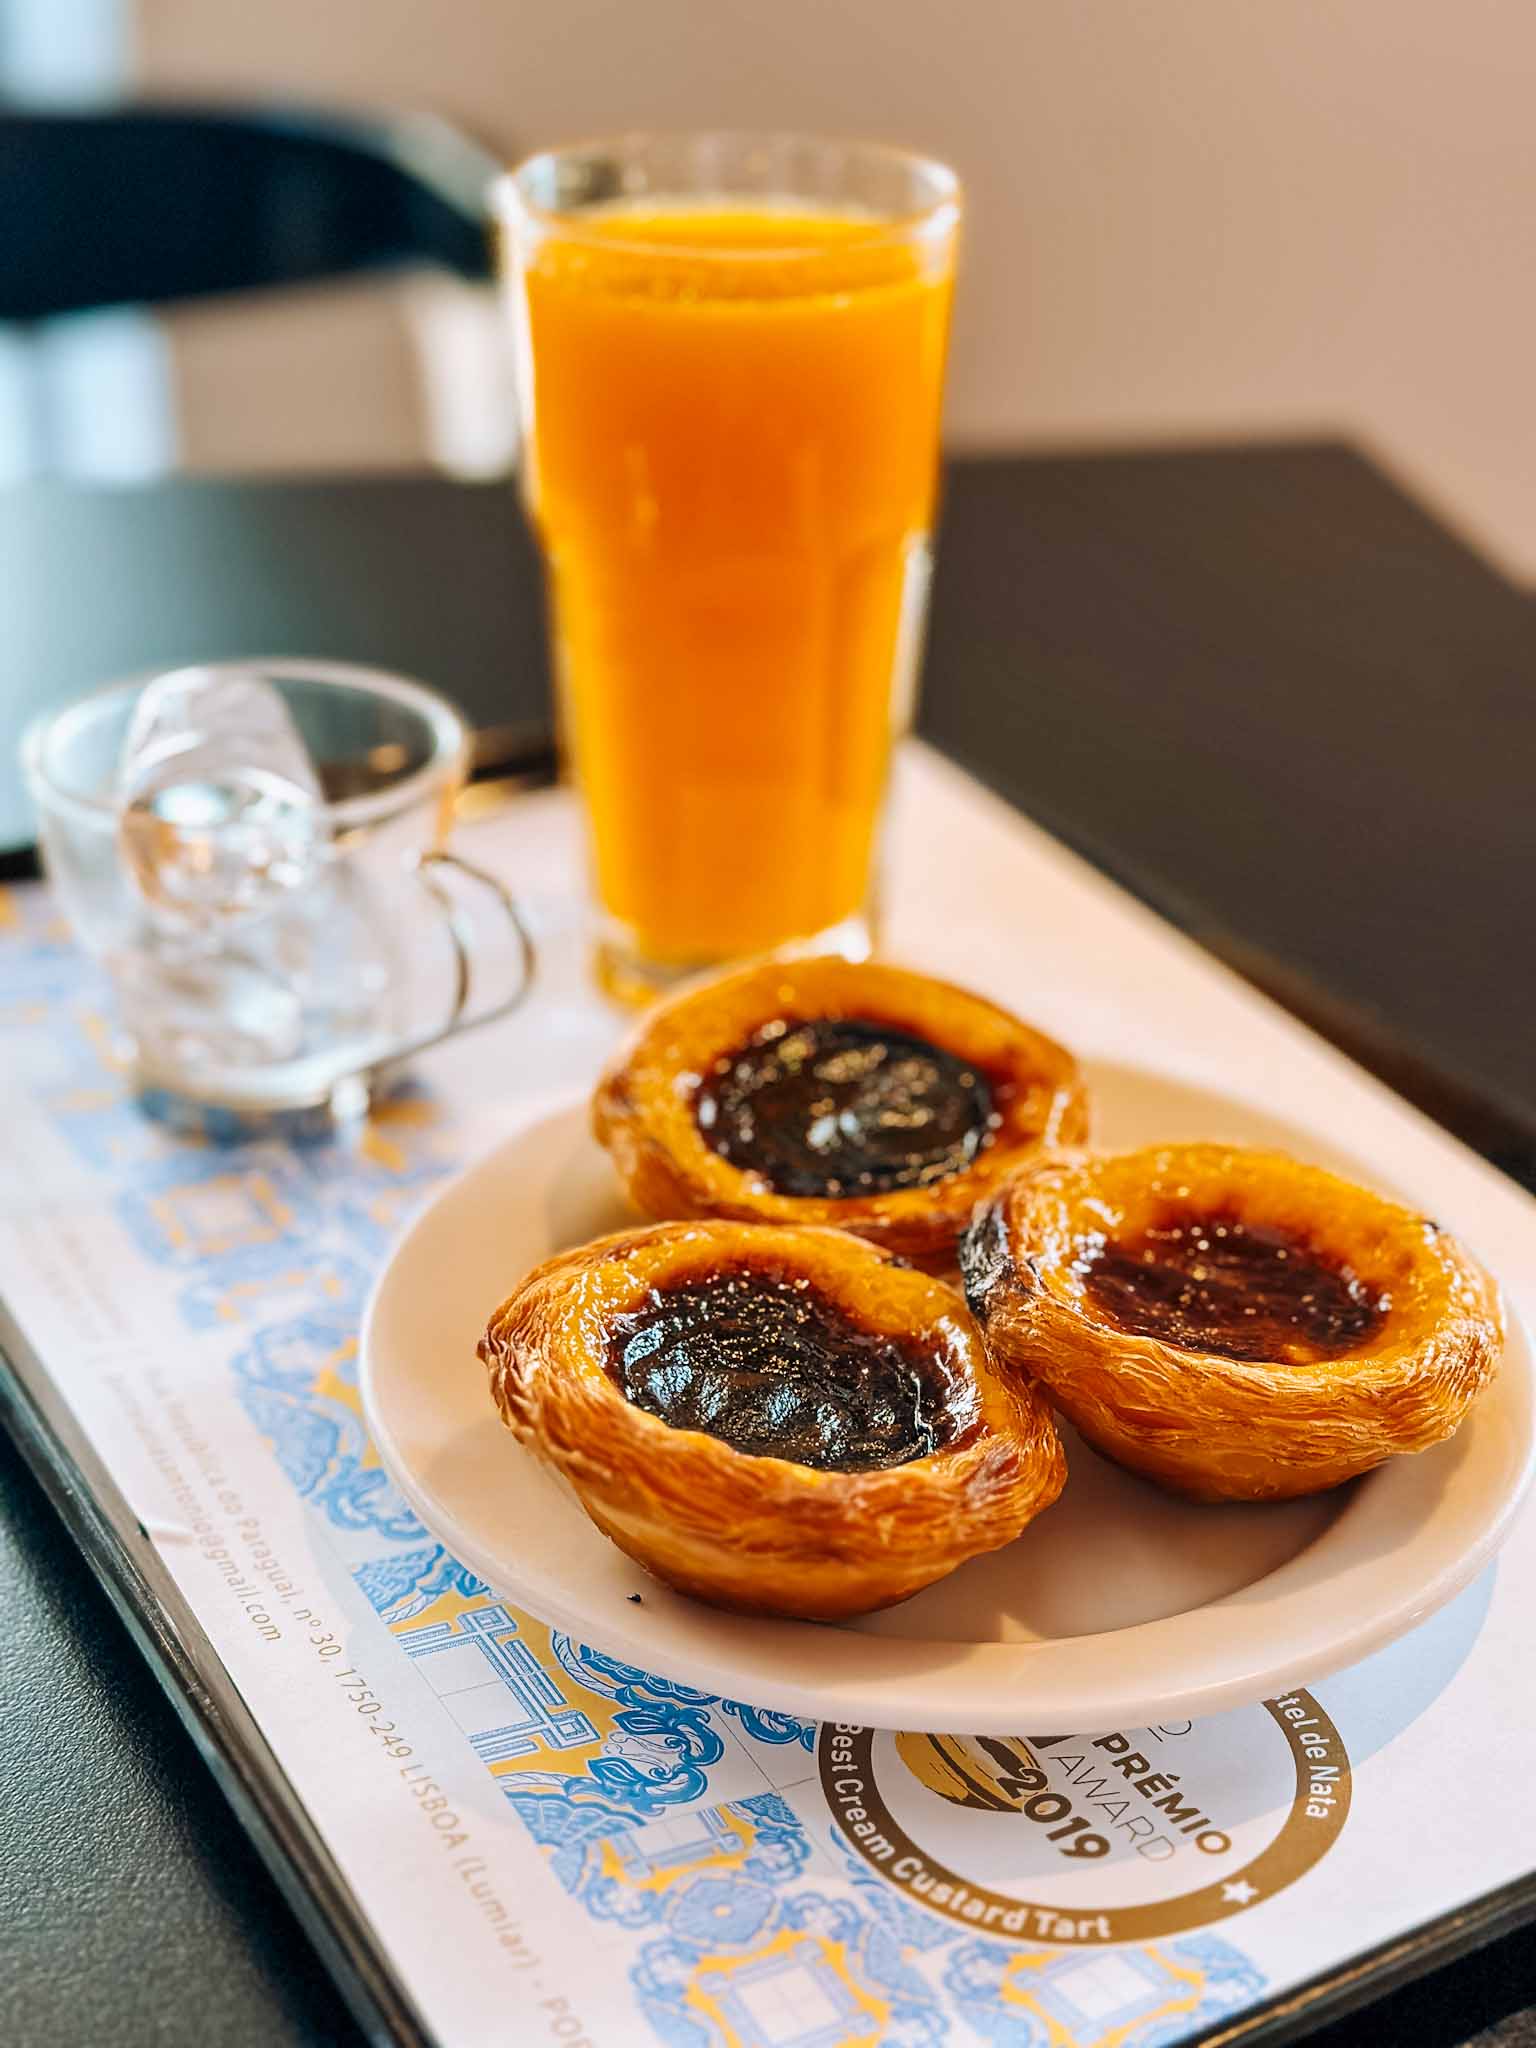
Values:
[(654, 1758), (913, 1926), (721, 1912), (45, 972), (652, 1752), (401, 1584), (209, 1212), (317, 1436), (705, 1866), (1151, 1997), (538, 1715), (275, 1278), (769, 1727), (294, 1355), (628, 1683), (616, 1680), (812, 1972)]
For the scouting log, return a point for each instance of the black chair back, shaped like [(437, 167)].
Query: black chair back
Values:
[(147, 205)]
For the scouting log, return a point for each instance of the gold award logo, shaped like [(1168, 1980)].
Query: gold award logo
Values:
[(1129, 1836)]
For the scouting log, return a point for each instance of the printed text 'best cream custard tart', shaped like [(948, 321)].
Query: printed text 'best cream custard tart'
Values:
[(821, 1091), (782, 1421), (1232, 1323)]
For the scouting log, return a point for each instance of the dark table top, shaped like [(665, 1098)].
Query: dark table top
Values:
[(1260, 686)]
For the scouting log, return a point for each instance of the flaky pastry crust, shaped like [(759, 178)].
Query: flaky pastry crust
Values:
[(644, 1108), (1214, 1427), (760, 1534)]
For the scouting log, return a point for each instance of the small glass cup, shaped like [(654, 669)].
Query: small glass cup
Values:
[(368, 959), (731, 362)]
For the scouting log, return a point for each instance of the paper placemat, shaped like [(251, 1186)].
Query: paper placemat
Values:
[(530, 1840)]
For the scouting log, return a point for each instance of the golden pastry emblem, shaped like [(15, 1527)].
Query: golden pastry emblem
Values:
[(1128, 1836)]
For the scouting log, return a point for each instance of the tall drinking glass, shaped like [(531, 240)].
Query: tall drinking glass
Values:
[(731, 353)]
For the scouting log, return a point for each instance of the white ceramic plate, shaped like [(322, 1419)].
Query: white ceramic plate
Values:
[(1122, 1605)]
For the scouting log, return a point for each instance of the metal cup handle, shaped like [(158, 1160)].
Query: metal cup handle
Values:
[(462, 941)]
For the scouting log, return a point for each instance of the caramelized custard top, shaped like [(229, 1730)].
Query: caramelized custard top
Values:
[(1214, 1283), (767, 1363), (843, 1106)]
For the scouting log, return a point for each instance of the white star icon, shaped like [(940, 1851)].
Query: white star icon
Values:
[(1240, 1892)]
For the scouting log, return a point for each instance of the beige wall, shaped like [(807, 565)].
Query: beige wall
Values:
[(1188, 217)]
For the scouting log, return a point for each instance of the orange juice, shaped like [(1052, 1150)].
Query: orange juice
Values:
[(733, 437)]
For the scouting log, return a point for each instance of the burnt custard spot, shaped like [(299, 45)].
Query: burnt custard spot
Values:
[(768, 1364), (841, 1106), (1214, 1283)]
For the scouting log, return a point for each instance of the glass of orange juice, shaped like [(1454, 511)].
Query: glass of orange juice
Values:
[(731, 358)]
